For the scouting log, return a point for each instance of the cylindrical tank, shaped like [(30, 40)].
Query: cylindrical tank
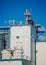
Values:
[(6, 54), (18, 54)]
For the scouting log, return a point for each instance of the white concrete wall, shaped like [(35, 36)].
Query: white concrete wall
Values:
[(24, 33), (27, 39), (41, 54)]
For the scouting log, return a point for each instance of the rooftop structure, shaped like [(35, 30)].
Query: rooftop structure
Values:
[(22, 47)]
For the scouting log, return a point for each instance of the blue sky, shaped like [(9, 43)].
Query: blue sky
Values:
[(14, 10)]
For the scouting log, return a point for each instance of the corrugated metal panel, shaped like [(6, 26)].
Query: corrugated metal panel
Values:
[(1, 47), (1, 42), (7, 40)]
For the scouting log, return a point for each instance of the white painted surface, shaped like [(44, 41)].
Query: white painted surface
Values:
[(10, 62), (24, 33), (18, 54), (41, 54), (6, 54)]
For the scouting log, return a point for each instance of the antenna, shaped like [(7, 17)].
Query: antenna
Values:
[(27, 14)]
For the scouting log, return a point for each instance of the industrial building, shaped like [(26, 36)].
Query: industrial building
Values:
[(18, 43)]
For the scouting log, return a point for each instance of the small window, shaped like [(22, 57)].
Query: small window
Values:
[(17, 37)]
